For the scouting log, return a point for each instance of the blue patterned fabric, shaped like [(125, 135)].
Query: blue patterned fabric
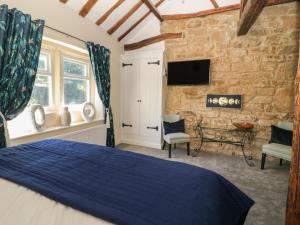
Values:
[(100, 60), (124, 187), (20, 44)]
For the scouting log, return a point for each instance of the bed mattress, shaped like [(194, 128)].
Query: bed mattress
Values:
[(22, 206)]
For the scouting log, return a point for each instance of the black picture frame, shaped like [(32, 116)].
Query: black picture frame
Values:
[(224, 101)]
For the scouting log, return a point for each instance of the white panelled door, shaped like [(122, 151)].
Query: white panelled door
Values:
[(141, 86), (150, 86), (130, 89)]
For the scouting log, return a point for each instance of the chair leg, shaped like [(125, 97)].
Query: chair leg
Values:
[(164, 145), (263, 160), (188, 148), (170, 149), (280, 162)]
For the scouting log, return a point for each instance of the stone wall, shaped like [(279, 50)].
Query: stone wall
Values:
[(260, 66)]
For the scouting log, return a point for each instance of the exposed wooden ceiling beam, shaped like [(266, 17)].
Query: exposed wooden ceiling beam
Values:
[(278, 2), (153, 9), (249, 14), (243, 3), (63, 1), (139, 21), (201, 13), (152, 40), (124, 18), (215, 4), (218, 10), (109, 12), (87, 7)]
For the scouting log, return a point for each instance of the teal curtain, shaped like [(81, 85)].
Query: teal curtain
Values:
[(20, 44), (100, 60)]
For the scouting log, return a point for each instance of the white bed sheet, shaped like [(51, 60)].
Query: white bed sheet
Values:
[(21, 206)]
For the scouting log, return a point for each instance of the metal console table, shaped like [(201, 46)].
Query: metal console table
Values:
[(240, 137)]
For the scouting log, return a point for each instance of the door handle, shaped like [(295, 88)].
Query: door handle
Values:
[(156, 62), (127, 64), (153, 128), (126, 125)]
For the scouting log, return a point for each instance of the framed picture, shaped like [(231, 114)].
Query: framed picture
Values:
[(224, 101)]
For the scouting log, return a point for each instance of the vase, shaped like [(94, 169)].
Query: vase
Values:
[(65, 117)]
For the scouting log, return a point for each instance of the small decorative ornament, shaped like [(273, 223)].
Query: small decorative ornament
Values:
[(37, 116), (88, 111), (65, 117)]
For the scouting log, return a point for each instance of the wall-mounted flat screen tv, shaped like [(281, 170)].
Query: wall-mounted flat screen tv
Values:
[(195, 72)]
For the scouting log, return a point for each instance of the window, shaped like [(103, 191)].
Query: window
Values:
[(75, 81), (63, 78), (42, 90)]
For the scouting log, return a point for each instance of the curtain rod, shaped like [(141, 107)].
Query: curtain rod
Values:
[(64, 33)]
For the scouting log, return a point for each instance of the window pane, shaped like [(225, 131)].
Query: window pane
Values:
[(43, 62), (74, 68), (41, 93), (75, 91)]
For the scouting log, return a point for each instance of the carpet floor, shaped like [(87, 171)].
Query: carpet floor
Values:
[(268, 188)]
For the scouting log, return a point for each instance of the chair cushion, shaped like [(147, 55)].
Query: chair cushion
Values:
[(176, 138), (281, 136), (176, 127), (278, 150)]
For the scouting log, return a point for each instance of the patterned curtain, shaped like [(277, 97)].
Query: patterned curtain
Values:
[(20, 44), (99, 56)]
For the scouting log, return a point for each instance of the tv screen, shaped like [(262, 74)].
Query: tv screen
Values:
[(189, 72)]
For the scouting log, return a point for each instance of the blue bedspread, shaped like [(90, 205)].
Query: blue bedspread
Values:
[(124, 187)]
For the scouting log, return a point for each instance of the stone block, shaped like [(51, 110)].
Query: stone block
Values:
[(283, 100), (190, 91)]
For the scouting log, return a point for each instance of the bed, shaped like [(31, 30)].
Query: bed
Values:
[(65, 182)]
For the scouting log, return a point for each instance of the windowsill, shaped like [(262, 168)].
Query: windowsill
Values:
[(53, 129)]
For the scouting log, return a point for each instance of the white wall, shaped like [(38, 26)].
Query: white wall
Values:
[(61, 17)]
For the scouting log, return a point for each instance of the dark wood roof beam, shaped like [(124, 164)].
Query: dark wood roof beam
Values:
[(139, 21), (87, 7), (124, 18), (152, 40), (249, 15), (215, 4), (201, 13), (109, 12), (219, 10), (153, 9)]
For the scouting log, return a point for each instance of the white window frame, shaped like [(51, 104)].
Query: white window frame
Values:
[(56, 54), (75, 77), (49, 72)]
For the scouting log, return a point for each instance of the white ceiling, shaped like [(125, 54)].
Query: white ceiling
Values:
[(150, 26)]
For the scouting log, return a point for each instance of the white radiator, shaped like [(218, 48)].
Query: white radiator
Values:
[(94, 135)]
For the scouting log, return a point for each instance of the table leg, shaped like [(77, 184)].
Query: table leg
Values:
[(247, 158)]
